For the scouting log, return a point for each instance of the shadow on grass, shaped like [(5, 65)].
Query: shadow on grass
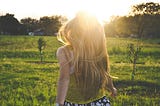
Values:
[(5, 77), (142, 88), (43, 62)]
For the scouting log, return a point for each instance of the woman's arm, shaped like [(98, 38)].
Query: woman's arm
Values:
[(63, 78), (111, 87)]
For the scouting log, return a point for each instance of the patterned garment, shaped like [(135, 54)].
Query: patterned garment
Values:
[(100, 102)]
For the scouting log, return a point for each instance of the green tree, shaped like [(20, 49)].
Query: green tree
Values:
[(110, 27), (30, 24), (133, 55), (50, 25), (9, 24), (146, 8), (41, 47), (145, 13)]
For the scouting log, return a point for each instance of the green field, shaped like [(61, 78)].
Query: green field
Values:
[(24, 81)]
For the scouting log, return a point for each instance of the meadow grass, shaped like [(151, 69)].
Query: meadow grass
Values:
[(24, 81)]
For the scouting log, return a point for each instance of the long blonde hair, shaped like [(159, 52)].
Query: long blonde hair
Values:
[(85, 35)]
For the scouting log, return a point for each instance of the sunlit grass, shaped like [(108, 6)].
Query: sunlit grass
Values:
[(25, 81), (28, 83)]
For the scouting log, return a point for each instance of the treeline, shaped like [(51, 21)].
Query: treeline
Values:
[(9, 25), (142, 21), (147, 26)]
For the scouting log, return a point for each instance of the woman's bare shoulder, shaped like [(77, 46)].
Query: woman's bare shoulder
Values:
[(60, 51), (63, 51)]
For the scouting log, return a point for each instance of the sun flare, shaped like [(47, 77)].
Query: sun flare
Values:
[(102, 9)]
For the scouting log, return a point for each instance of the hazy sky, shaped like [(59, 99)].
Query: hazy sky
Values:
[(103, 9)]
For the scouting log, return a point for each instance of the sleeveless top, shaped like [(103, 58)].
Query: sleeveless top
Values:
[(73, 94)]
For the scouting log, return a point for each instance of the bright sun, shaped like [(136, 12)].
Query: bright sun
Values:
[(102, 9)]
